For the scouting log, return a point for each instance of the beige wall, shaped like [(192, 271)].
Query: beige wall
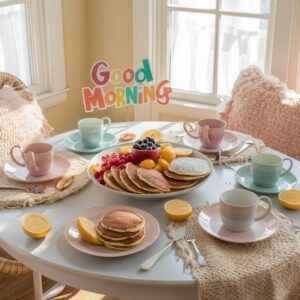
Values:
[(93, 30)]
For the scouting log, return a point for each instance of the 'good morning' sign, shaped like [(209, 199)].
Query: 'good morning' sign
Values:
[(136, 88)]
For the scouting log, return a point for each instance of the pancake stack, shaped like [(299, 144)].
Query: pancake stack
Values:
[(121, 229), (183, 173)]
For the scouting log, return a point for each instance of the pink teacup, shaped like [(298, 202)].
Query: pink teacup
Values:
[(209, 131), (37, 157)]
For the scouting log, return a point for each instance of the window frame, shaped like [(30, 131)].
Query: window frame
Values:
[(213, 98), (46, 49)]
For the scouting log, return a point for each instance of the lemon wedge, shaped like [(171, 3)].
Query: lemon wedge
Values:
[(290, 199), (178, 210), (153, 133), (87, 231), (36, 225)]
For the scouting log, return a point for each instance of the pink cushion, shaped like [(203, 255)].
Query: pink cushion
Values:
[(21, 120), (264, 108)]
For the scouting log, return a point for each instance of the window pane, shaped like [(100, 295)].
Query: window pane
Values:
[(253, 6), (14, 52), (191, 46), (243, 42), (209, 4)]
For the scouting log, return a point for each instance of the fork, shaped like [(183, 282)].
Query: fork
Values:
[(190, 238), (34, 189)]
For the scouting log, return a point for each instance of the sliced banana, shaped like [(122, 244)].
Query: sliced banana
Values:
[(64, 182)]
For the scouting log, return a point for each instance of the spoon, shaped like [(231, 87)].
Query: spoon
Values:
[(149, 263)]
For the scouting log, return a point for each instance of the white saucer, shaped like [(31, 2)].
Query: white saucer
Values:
[(230, 142), (210, 221), (21, 174)]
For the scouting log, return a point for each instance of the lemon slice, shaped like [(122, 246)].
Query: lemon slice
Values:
[(178, 210), (125, 149), (183, 152), (290, 199), (36, 225), (87, 231), (153, 133)]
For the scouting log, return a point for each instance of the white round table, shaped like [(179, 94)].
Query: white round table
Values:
[(56, 259)]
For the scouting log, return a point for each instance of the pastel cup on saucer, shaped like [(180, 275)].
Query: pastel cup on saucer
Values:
[(238, 209), (37, 158), (266, 169), (92, 130), (209, 131)]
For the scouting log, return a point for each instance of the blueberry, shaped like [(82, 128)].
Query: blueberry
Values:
[(157, 145), (153, 147), (149, 148), (138, 147), (139, 142), (150, 144), (145, 140), (143, 147), (151, 140)]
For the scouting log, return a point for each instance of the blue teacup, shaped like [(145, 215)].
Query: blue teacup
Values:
[(267, 168), (92, 130)]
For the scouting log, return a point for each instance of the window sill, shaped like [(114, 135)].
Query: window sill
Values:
[(190, 104), (47, 100)]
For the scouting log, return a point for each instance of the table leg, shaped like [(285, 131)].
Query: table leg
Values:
[(38, 288)]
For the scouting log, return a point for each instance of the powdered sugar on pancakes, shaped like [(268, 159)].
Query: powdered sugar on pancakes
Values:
[(190, 166)]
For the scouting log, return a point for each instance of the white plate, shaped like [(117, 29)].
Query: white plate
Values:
[(230, 142), (97, 159), (73, 236), (21, 174), (210, 221)]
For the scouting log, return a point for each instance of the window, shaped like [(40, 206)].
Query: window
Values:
[(206, 43), (31, 46)]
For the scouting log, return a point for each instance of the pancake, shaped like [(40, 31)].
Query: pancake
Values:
[(180, 184), (190, 166), (114, 235), (129, 242), (175, 176), (110, 181), (118, 248), (154, 179), (122, 221), (131, 171), (128, 183), (115, 171), (125, 246)]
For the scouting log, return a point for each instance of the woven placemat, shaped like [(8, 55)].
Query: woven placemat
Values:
[(17, 198), (258, 146), (268, 269)]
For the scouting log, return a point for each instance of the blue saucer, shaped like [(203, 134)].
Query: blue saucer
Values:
[(73, 143), (244, 177)]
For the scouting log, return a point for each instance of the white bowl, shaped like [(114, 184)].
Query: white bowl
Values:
[(97, 160)]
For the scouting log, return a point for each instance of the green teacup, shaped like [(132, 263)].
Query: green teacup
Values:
[(267, 168)]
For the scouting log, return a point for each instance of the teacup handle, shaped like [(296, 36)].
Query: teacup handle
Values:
[(203, 133), (108, 123), (290, 167), (188, 128), (12, 155), (269, 202)]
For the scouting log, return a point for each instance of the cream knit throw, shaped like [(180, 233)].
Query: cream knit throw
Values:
[(267, 270), (17, 198), (21, 120), (263, 107)]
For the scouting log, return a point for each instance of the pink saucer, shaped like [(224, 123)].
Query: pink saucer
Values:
[(17, 173), (94, 213), (210, 221), (229, 143)]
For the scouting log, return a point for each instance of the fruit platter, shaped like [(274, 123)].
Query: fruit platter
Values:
[(148, 169)]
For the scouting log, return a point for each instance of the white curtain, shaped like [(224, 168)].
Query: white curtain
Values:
[(14, 52)]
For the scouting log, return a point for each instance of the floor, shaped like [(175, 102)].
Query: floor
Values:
[(20, 287)]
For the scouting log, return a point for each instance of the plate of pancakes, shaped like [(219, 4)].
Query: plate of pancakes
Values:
[(123, 230), (183, 175)]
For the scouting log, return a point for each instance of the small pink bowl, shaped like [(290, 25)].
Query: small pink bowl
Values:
[(141, 155)]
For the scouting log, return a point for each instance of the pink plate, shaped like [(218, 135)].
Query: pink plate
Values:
[(230, 142), (17, 173), (210, 221), (73, 237)]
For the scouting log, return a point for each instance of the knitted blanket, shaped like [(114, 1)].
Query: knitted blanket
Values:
[(263, 107), (21, 120)]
